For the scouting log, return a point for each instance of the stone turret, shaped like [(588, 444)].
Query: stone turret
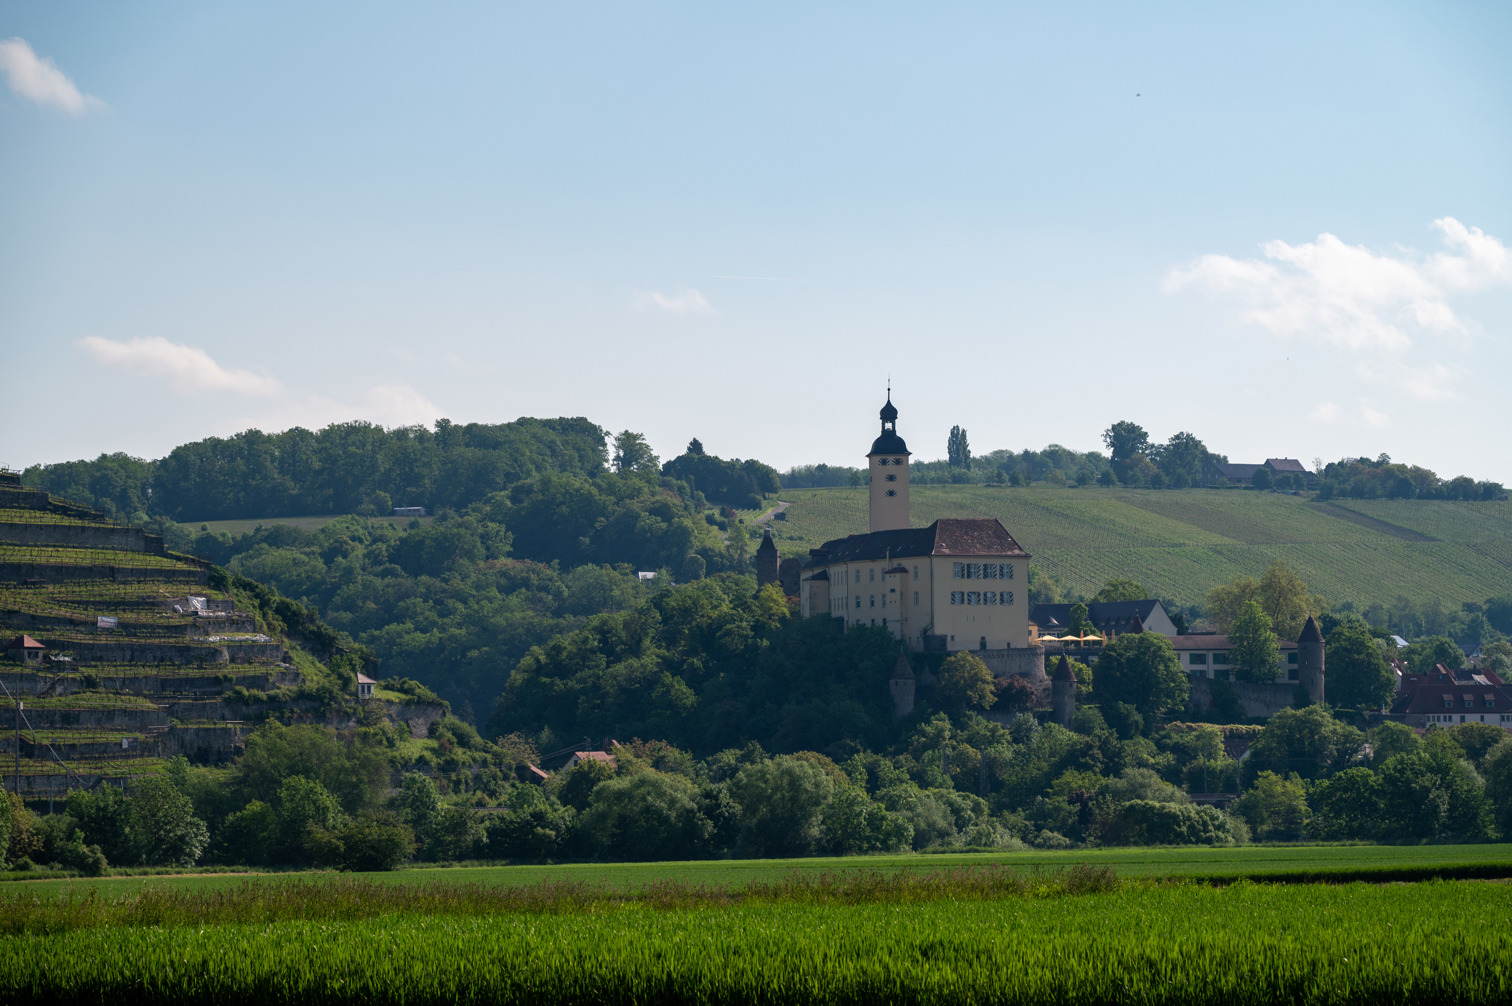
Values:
[(1063, 693), (1310, 661), (766, 560), (901, 687)]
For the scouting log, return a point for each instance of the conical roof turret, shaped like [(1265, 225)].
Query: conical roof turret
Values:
[(901, 671), (1063, 670), (1310, 633)]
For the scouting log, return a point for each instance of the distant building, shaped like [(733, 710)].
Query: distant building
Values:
[(1446, 697), (409, 511), (25, 649), (953, 585), (1106, 617), (364, 686), (766, 560), (1206, 655), (1244, 474), (582, 756)]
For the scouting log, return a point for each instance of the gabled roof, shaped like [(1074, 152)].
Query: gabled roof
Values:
[(1116, 615), (24, 642), (363, 679), (1441, 693), (1285, 465), (963, 536)]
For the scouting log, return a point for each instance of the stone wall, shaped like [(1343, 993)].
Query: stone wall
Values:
[(1258, 700), (115, 536), (202, 743), (69, 572), (127, 651), (1025, 661), (131, 718)]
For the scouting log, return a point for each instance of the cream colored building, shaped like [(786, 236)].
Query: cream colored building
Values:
[(958, 584)]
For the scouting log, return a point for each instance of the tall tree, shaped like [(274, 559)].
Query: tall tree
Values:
[(958, 449), (1180, 459), (1254, 652), (1358, 674), (1141, 669), (632, 453), (1125, 439), (1121, 590)]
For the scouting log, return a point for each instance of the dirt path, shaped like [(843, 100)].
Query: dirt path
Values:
[(781, 506)]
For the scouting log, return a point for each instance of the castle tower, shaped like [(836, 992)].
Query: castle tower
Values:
[(888, 463), (1063, 693), (1310, 661), (901, 687), (766, 561)]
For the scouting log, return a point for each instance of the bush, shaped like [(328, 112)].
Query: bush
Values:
[(375, 842), (1149, 822)]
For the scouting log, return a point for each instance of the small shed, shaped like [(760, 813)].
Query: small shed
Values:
[(582, 756), (25, 649), (364, 686)]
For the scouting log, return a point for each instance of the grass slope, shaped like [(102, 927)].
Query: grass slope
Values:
[(1182, 543)]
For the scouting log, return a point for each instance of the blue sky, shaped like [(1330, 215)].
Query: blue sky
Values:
[(1283, 227)]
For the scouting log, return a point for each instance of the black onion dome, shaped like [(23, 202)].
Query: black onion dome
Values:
[(889, 443), (889, 411)]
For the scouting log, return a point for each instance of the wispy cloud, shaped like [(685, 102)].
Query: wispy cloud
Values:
[(186, 368), (189, 370), (1375, 306), (682, 302), (38, 79)]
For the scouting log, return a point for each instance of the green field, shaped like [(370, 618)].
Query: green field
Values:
[(235, 527), (1195, 862), (1182, 543), (1101, 942)]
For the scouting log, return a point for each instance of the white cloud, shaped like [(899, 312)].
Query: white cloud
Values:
[(37, 79), (1351, 296), (682, 302), (190, 370), (1327, 412), (186, 368)]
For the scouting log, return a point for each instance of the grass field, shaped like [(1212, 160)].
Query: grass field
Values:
[(235, 527), (1180, 544), (1196, 862), (1094, 942)]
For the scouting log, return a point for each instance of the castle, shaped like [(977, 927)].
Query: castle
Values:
[(958, 584)]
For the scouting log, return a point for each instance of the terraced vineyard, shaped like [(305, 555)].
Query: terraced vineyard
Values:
[(139, 653), (1181, 544)]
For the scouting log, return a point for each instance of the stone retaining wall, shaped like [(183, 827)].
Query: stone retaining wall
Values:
[(1258, 700), (117, 537), (93, 718), (20, 572)]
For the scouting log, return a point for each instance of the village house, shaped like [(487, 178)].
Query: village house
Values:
[(1446, 697)]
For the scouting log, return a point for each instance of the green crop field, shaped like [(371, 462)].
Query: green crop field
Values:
[(1180, 544), (1079, 939), (235, 527), (1202, 862)]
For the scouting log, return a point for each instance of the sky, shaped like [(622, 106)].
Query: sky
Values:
[(1282, 227)]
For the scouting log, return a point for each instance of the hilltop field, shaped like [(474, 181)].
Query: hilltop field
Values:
[(1181, 543)]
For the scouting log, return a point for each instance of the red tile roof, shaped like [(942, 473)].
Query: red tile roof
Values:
[(24, 642)]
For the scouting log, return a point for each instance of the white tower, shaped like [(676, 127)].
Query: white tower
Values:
[(888, 462)]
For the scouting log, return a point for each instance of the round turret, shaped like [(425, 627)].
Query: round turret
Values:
[(1063, 693), (1310, 661)]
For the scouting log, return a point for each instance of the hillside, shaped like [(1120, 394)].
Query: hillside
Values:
[(1181, 543), (146, 654)]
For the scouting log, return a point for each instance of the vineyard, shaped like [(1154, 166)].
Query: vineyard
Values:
[(1180, 544)]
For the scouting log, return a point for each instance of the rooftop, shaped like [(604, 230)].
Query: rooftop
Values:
[(969, 536)]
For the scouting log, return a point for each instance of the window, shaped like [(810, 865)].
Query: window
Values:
[(958, 570), (1448, 701), (1005, 570), (1490, 701), (892, 478), (897, 461), (874, 600), (892, 492), (872, 575), (1220, 658), (916, 572), (1007, 597), (973, 597), (990, 571), (990, 597), (1469, 701), (1197, 658), (973, 571), (858, 600), (957, 597), (1291, 658), (916, 597), (883, 461)]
